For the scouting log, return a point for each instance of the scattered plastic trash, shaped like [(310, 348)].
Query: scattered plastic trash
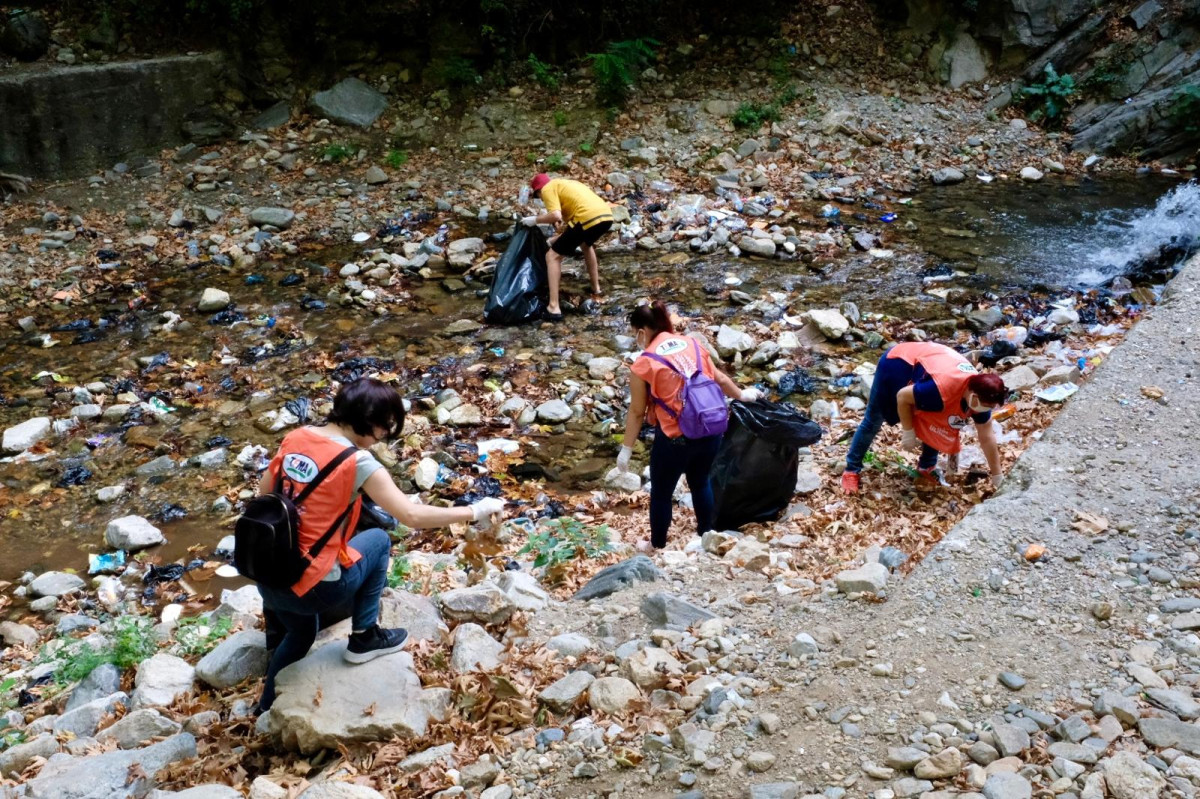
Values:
[(797, 381), (830, 211), (888, 217), (227, 571), (1056, 393), (254, 280), (163, 574), (158, 406), (74, 476), (360, 237), (1014, 334), (107, 562), (504, 445), (293, 279)]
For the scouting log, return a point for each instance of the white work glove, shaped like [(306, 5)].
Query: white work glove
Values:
[(751, 395), (996, 480), (909, 440), (623, 458), (484, 509), (529, 221)]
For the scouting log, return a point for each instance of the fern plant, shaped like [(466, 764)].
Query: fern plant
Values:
[(1051, 98), (616, 69)]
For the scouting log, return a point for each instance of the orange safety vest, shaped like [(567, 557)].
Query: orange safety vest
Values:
[(951, 372), (302, 454), (666, 384)]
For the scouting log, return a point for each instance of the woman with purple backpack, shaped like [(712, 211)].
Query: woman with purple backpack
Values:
[(676, 388)]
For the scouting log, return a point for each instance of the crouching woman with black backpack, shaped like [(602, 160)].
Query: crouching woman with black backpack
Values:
[(295, 537)]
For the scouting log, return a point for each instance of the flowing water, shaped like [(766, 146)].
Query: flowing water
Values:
[(1061, 234)]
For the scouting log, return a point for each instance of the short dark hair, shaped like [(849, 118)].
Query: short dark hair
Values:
[(366, 404), (989, 387)]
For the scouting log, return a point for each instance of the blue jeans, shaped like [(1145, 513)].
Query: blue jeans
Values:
[(868, 428), (360, 586), (670, 459)]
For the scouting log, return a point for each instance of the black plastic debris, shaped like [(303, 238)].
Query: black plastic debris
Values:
[(308, 303), (163, 574), (291, 280), (217, 441), (156, 362), (226, 317), (797, 381), (300, 407), (171, 512), (74, 476), (353, 369), (78, 324)]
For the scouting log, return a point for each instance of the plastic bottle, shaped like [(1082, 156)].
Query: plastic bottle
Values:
[(523, 197), (830, 211)]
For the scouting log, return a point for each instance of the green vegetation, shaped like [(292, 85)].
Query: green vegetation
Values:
[(561, 118), (401, 571), (338, 151), (753, 116), (197, 635), (1051, 98), (131, 642), (556, 162), (543, 73), (616, 69), (1185, 107), (457, 72), (586, 147), (559, 541), (396, 158)]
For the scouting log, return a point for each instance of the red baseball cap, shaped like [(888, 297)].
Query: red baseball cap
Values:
[(539, 180)]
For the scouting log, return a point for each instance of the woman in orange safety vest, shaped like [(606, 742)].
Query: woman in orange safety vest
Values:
[(932, 392)]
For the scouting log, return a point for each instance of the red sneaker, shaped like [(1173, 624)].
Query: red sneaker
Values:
[(928, 478), (850, 482)]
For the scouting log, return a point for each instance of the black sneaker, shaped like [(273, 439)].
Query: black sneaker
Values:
[(373, 643)]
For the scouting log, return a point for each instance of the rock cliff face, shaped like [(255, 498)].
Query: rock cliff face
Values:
[(1136, 65)]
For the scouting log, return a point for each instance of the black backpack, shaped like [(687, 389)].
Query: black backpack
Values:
[(267, 534)]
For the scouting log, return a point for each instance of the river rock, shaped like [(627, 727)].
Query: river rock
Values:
[(350, 102), (239, 657), (474, 649), (16, 758), (161, 680), (944, 765), (752, 245), (1127, 776), (1164, 733), (831, 323), (426, 473), (484, 604), (749, 553), (414, 612), (109, 775), (138, 727), (104, 680), (947, 175), (982, 320), (730, 341), (1006, 785), (870, 578), (612, 695), (321, 704), (602, 368), (774, 790), (1031, 174), (83, 721), (15, 634), (55, 584), (1019, 378), (651, 667), (212, 300), (523, 590), (1010, 740), (672, 612), (375, 176), (1178, 702), (619, 576), (281, 218), (25, 435), (562, 695), (554, 412), (330, 789), (132, 533), (570, 644)]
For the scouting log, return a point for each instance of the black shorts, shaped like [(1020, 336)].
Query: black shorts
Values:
[(574, 236)]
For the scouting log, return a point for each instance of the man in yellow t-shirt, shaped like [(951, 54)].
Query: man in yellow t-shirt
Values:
[(582, 218)]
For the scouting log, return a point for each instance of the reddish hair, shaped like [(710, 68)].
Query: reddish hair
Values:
[(654, 317), (989, 388)]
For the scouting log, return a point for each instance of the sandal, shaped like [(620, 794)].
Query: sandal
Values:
[(551, 317)]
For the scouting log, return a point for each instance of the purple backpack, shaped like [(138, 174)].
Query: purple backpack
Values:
[(703, 411)]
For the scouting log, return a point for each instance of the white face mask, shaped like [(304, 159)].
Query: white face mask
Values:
[(976, 406)]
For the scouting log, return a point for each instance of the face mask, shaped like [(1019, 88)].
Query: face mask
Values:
[(976, 406)]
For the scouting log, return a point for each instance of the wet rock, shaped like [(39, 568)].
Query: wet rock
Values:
[(415, 612), (241, 656), (563, 694), (109, 775), (762, 247), (159, 467), (523, 590), (14, 634), (16, 758), (829, 322), (612, 695), (350, 102), (132, 533), (319, 706), (213, 300), (869, 578), (947, 175), (86, 411), (139, 727), (619, 576), (281, 218), (474, 649), (161, 680), (554, 412), (484, 604), (54, 584), (1031, 174), (672, 612), (25, 435), (651, 667)]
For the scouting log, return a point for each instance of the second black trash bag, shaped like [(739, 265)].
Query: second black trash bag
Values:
[(519, 289), (754, 475)]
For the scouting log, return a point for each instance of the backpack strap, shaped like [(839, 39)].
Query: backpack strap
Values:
[(656, 357), (327, 470), (316, 548)]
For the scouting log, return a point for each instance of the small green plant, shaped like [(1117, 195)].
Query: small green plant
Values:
[(337, 151), (457, 71), (616, 69), (556, 162), (131, 640), (559, 541), (198, 635), (396, 158), (586, 147), (543, 73), (753, 115), (1185, 107), (561, 118), (401, 571), (1051, 98), (531, 157)]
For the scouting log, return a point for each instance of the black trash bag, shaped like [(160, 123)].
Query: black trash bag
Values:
[(754, 475), (519, 290)]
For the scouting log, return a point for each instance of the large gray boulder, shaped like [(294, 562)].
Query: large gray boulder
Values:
[(484, 604), (104, 680), (55, 584), (672, 612), (136, 728), (132, 533), (83, 721), (414, 612), (621, 575), (239, 657), (161, 680), (281, 218), (24, 435), (350, 102), (109, 776), (323, 702)]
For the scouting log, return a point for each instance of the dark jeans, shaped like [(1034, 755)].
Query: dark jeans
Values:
[(300, 616), (868, 428), (671, 458)]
